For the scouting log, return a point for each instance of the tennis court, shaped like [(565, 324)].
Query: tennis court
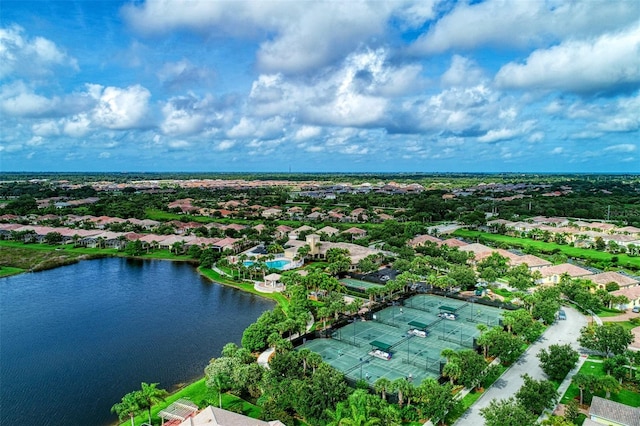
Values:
[(358, 284), (414, 334)]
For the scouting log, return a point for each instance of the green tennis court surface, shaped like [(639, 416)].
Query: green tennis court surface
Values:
[(350, 348), (358, 284)]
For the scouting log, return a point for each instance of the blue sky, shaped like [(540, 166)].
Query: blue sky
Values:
[(320, 86)]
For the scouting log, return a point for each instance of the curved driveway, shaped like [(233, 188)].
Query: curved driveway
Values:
[(562, 332)]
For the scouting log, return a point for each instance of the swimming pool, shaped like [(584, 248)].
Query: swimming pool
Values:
[(280, 264)]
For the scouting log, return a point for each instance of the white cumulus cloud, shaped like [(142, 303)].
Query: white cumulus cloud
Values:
[(462, 72), (24, 56), (19, 100), (603, 64), (120, 108), (301, 35), (523, 23)]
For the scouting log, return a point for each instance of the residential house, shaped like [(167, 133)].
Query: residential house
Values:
[(358, 215), (144, 223), (328, 231), (532, 262), (420, 240), (231, 204), (552, 274), (187, 413), (282, 231), (611, 413), (631, 293), (259, 228), (481, 252), (453, 242), (185, 205), (271, 213), (315, 216), (295, 211), (602, 227), (293, 235), (235, 226), (336, 216), (632, 230), (622, 239), (232, 244), (383, 216), (355, 233), (604, 278)]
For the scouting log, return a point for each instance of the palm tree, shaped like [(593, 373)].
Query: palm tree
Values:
[(324, 313), (303, 354), (609, 384), (100, 242), (371, 292), (219, 382), (129, 406), (178, 246), (358, 418), (508, 321), (151, 395), (482, 328), (401, 385), (632, 358), (448, 353), (581, 381), (382, 385), (314, 360), (452, 370), (122, 241)]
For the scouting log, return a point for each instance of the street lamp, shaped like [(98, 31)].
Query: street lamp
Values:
[(355, 320)]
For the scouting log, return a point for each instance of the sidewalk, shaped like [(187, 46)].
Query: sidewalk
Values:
[(564, 386)]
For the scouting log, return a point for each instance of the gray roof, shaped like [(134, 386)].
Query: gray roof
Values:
[(614, 412), (213, 416)]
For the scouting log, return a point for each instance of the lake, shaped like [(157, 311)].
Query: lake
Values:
[(75, 339)]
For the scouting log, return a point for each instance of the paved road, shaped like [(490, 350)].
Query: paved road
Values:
[(562, 332)]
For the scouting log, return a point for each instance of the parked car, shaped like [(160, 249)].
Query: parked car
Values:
[(562, 315), (636, 309)]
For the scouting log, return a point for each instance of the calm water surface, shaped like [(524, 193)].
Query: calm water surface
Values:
[(74, 340)]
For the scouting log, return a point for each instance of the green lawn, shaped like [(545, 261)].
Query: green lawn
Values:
[(625, 396), (628, 325), (544, 247), (244, 286), (5, 271), (609, 313), (200, 394), (37, 257)]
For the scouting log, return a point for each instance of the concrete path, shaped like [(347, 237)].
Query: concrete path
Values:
[(219, 271), (562, 389), (563, 332), (263, 358)]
